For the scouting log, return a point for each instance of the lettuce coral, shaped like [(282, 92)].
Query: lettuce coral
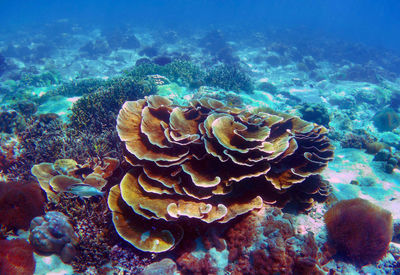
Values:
[(211, 163), (65, 175)]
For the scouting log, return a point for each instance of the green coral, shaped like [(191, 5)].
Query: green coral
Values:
[(44, 79), (230, 78), (96, 112), (79, 87), (182, 72), (316, 113)]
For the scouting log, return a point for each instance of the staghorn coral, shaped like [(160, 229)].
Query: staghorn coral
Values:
[(16, 257), (47, 139), (359, 229), (19, 204), (210, 163), (180, 71), (11, 121), (52, 233), (230, 78), (95, 112)]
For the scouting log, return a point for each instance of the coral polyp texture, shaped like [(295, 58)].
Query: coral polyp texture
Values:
[(360, 230), (16, 257), (210, 163)]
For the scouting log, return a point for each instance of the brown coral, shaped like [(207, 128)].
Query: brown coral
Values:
[(211, 163), (359, 229), (65, 175)]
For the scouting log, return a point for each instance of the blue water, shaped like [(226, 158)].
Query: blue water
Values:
[(376, 23)]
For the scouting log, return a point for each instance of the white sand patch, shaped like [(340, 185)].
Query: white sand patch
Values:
[(373, 183)]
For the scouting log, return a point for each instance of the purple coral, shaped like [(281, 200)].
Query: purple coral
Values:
[(53, 233)]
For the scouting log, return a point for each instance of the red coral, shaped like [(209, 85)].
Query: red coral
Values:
[(16, 257), (8, 153), (266, 243), (19, 204), (189, 264), (359, 229)]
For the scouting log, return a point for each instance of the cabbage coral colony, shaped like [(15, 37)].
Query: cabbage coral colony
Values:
[(211, 163)]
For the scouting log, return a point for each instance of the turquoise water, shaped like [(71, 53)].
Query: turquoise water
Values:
[(245, 122)]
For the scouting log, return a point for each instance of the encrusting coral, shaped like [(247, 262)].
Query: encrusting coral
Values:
[(359, 229), (65, 175), (210, 163), (19, 204), (52, 233), (16, 257)]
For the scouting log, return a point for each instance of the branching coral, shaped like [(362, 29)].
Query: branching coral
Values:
[(359, 229), (210, 163), (229, 77), (47, 139), (96, 111)]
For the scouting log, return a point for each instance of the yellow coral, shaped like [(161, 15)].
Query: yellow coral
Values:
[(211, 163)]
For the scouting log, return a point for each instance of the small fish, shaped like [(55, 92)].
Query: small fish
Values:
[(84, 190)]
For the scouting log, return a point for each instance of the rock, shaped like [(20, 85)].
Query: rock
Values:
[(165, 267), (382, 155)]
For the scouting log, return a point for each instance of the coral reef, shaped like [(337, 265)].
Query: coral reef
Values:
[(263, 242), (165, 266), (125, 259), (10, 153), (52, 233), (19, 204), (230, 78), (96, 111), (360, 230), (91, 221), (357, 72), (43, 79), (95, 49), (210, 163), (316, 113), (11, 121), (16, 257), (180, 71), (65, 175), (3, 64), (278, 249), (77, 88), (389, 160), (358, 139), (47, 139), (386, 120), (190, 264)]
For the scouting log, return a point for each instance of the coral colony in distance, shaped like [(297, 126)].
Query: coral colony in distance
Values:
[(140, 151)]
